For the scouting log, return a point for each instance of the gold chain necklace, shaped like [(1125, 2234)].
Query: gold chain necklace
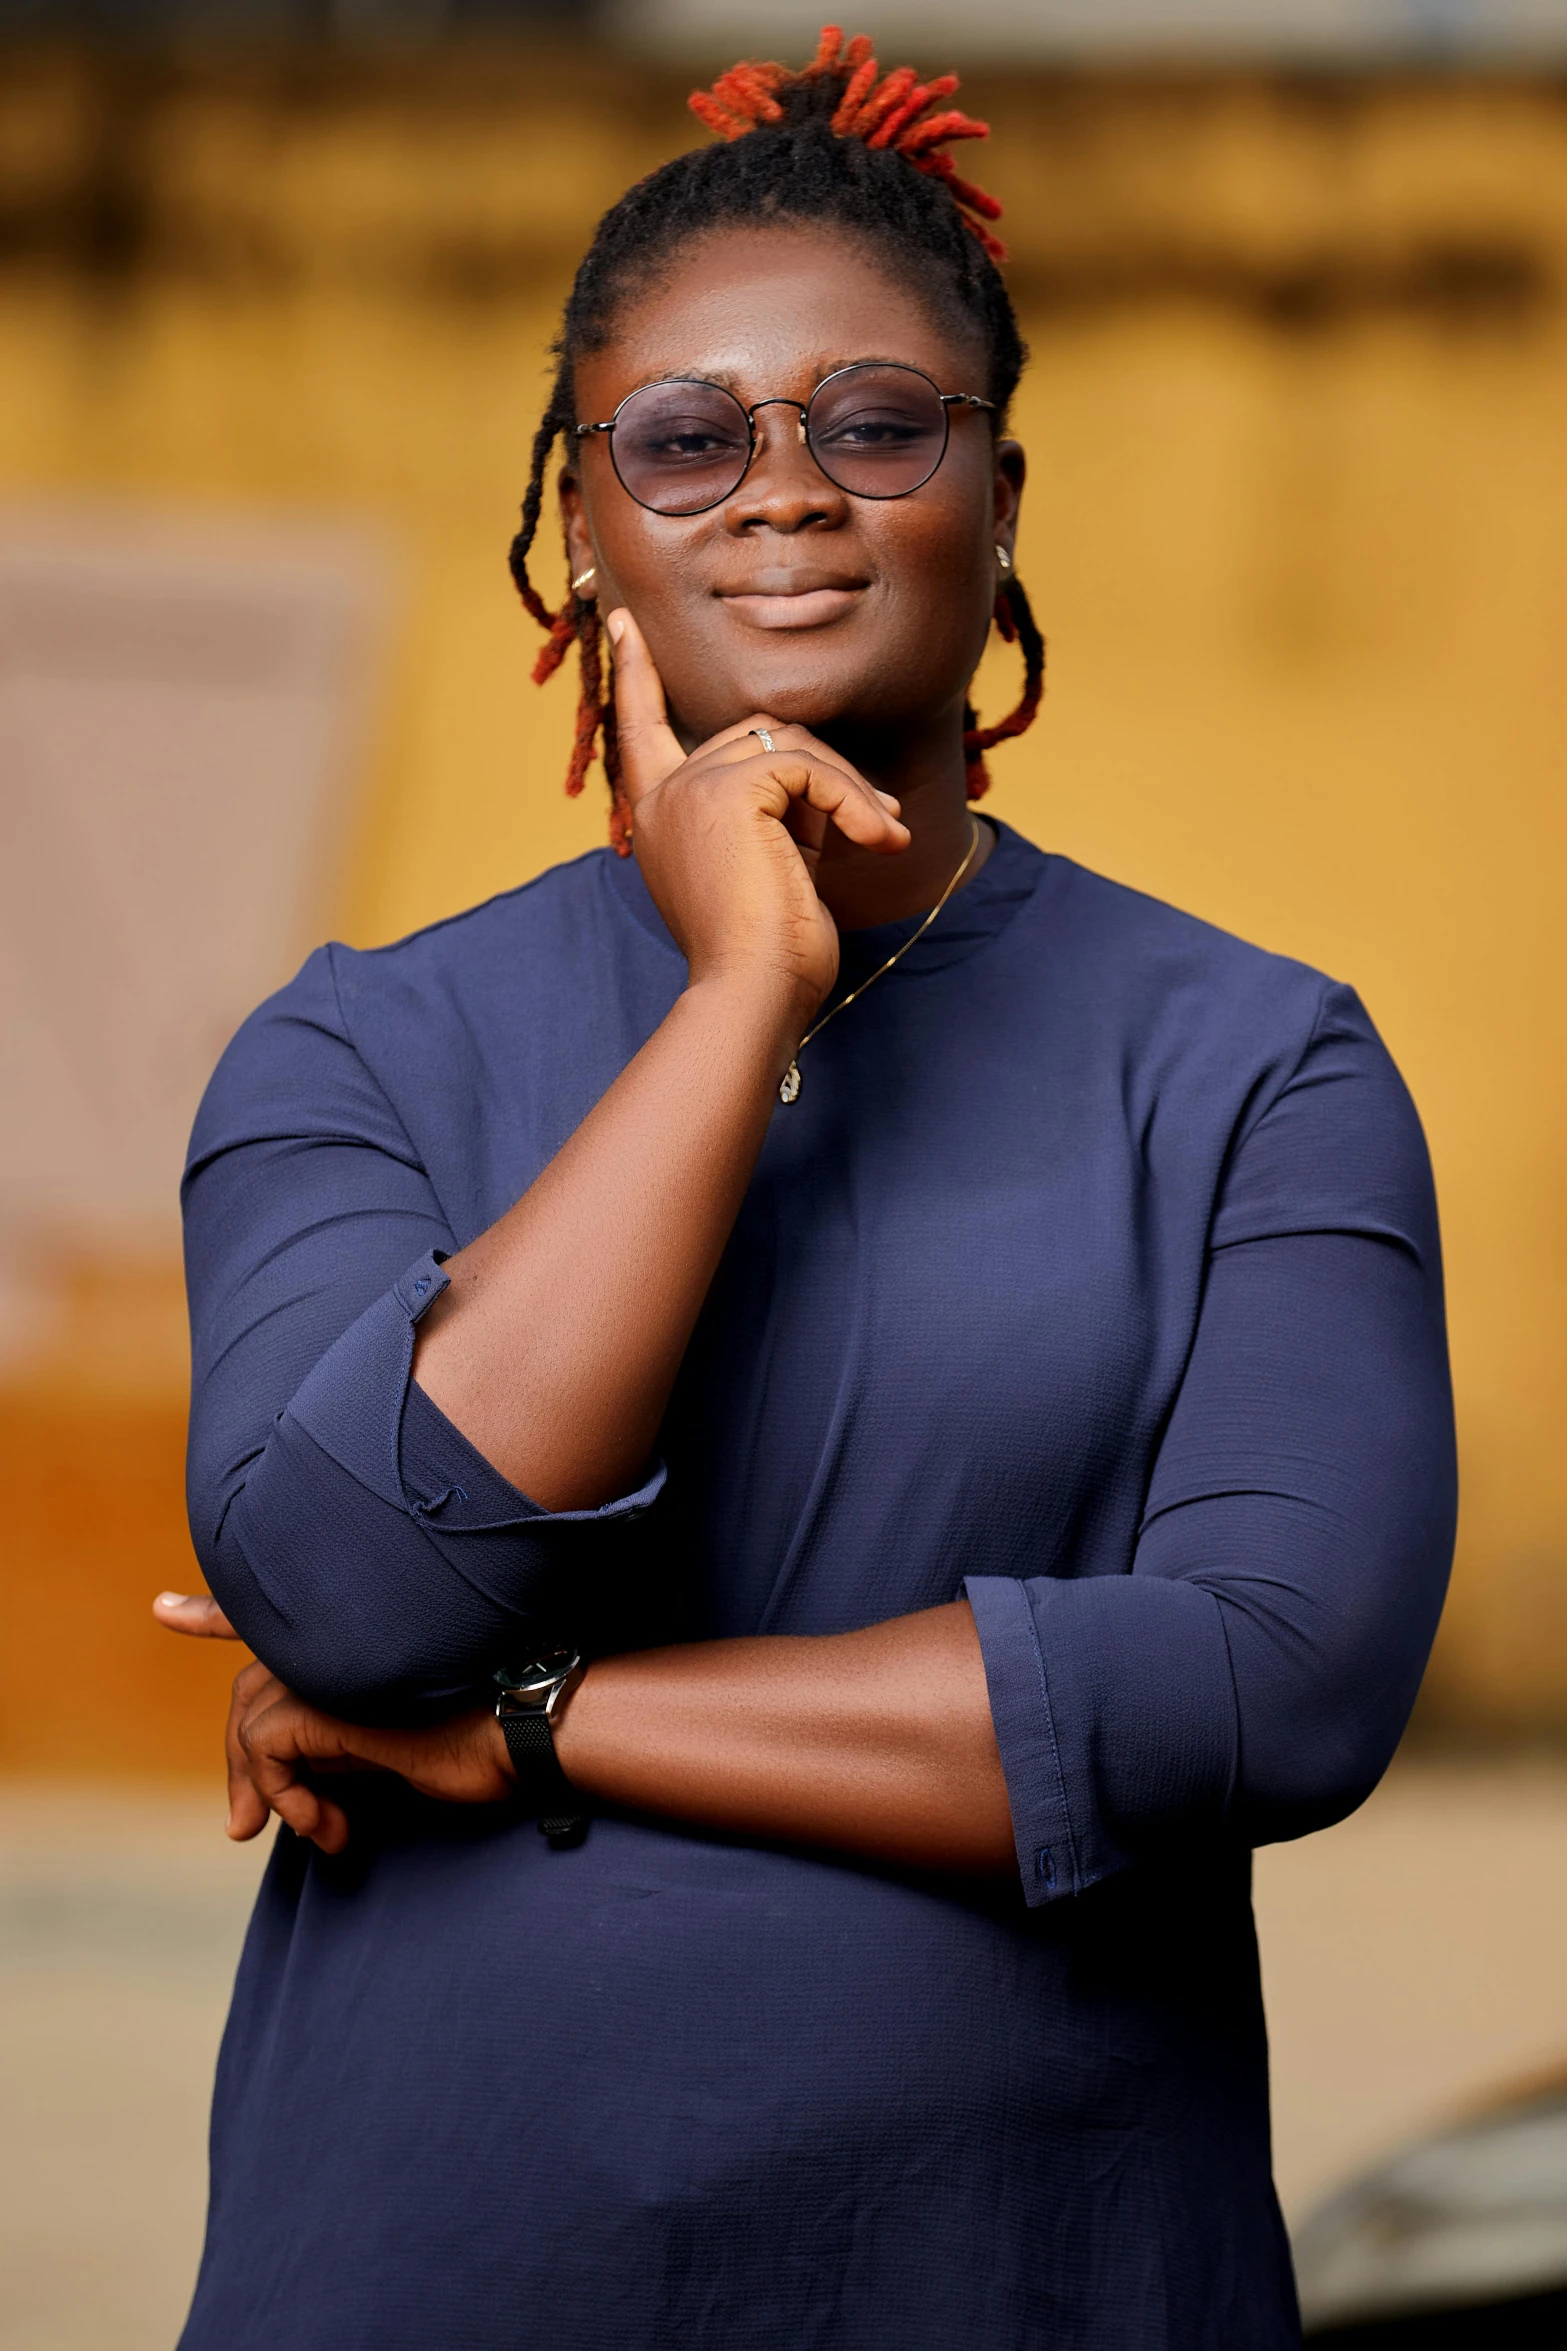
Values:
[(789, 1083)]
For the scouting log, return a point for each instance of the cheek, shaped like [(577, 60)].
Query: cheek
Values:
[(939, 569), (649, 560), (664, 576), (669, 588)]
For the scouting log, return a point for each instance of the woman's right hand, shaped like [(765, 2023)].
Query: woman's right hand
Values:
[(728, 840)]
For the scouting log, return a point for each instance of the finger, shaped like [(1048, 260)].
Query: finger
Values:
[(270, 1753), (809, 812), (331, 1832), (836, 793), (194, 1613), (280, 1734), (649, 746), (805, 825), (248, 1811), (254, 1685), (743, 741), (782, 730), (808, 829)]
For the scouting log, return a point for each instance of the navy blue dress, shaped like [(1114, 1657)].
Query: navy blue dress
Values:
[(1094, 1274)]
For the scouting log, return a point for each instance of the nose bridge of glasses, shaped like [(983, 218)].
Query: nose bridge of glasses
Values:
[(804, 476), (778, 400)]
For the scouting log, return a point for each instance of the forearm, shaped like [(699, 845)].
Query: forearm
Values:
[(556, 1347), (877, 1743)]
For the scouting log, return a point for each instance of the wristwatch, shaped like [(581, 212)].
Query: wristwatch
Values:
[(528, 1696)]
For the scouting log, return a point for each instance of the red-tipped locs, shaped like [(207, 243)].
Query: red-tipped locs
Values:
[(884, 111)]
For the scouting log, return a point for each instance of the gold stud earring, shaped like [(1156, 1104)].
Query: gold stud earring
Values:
[(1002, 557), (582, 579)]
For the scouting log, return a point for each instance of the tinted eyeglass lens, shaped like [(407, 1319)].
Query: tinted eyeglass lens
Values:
[(681, 447), (878, 432)]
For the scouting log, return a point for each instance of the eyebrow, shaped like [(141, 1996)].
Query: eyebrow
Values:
[(727, 381)]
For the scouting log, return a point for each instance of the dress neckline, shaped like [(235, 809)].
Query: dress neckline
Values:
[(977, 913)]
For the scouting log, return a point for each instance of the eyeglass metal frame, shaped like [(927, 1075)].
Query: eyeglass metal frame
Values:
[(802, 409)]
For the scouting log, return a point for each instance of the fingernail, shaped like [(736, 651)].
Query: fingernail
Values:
[(228, 1821), (616, 625), (171, 1599)]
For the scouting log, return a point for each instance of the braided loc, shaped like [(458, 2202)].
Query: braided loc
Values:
[(1016, 625), (577, 620), (836, 142)]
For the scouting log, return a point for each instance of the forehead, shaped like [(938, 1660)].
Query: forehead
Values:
[(771, 311)]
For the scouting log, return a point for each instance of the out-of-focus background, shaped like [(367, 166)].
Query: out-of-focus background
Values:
[(277, 284)]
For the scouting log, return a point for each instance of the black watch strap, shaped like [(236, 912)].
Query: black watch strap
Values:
[(542, 1787)]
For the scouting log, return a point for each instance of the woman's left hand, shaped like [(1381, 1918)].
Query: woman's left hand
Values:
[(273, 1736)]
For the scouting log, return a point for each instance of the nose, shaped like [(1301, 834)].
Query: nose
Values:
[(785, 489)]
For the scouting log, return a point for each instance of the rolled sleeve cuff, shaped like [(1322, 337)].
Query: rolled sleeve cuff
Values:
[(1114, 1711), (450, 1485), (1020, 1708), (362, 1407)]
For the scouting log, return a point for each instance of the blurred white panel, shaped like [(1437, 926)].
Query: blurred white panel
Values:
[(1393, 2007), (181, 711), (121, 1918), (987, 30)]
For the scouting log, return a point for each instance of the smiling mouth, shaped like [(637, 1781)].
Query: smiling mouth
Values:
[(782, 599)]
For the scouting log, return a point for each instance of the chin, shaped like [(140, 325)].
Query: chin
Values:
[(828, 698)]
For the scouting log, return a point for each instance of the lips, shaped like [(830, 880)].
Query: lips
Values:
[(793, 596)]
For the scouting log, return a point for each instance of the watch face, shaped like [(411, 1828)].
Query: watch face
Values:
[(539, 1673)]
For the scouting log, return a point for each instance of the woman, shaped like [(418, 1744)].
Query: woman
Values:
[(992, 1449)]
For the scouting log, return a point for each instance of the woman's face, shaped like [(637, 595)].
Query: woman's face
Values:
[(793, 597)]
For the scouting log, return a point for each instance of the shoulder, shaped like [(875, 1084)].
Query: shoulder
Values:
[(321, 1055), (1278, 1062), (539, 935), (554, 921), (1189, 1007), (1155, 958), (1176, 972)]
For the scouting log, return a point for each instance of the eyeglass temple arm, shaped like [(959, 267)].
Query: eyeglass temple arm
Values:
[(947, 399)]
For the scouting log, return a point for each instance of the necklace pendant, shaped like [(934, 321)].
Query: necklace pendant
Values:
[(789, 1083)]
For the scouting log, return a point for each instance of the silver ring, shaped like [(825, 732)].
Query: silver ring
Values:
[(764, 738)]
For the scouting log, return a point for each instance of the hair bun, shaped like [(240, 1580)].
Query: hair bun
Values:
[(844, 86)]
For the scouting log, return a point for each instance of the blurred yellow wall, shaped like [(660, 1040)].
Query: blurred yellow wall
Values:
[(1297, 531)]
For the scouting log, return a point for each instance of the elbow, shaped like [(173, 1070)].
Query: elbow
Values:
[(331, 1654), (359, 1672), (1311, 1767), (352, 1610), (392, 1688), (1320, 1712)]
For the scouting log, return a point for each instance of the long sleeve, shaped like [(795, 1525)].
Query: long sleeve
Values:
[(1252, 1673), (356, 1539)]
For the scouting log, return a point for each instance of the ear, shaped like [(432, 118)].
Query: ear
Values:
[(1011, 468), (580, 552)]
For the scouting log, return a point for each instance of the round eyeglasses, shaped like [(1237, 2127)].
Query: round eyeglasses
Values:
[(876, 429)]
